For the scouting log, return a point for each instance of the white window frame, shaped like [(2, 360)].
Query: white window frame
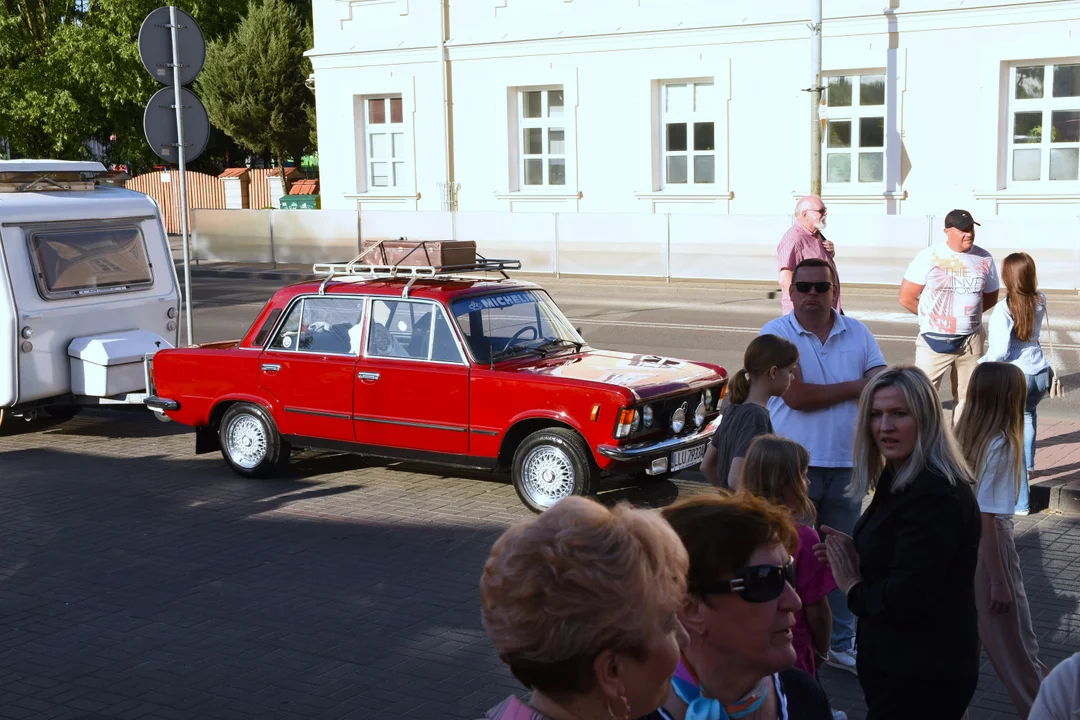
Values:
[(706, 114), (399, 157), (545, 124), (1047, 105), (854, 114)]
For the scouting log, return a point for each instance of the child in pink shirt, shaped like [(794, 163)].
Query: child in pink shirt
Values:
[(775, 469)]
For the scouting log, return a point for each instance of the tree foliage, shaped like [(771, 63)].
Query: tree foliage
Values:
[(71, 81), (253, 83)]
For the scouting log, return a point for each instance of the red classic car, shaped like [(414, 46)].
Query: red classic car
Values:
[(479, 373)]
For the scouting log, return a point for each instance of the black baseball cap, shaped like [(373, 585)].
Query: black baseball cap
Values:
[(960, 219)]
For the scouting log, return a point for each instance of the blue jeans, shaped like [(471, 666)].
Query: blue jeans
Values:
[(1038, 385), (828, 491)]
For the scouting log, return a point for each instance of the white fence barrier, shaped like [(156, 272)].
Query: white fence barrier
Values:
[(869, 249)]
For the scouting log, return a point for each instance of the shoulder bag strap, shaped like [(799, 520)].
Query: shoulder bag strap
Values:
[(1050, 336)]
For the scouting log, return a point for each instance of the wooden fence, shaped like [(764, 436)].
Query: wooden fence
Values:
[(203, 191)]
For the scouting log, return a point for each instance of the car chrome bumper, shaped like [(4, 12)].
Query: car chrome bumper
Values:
[(642, 451), (159, 404)]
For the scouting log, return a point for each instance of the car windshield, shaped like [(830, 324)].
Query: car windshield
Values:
[(502, 325)]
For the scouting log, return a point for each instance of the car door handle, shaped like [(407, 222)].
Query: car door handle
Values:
[(368, 376), (271, 367)]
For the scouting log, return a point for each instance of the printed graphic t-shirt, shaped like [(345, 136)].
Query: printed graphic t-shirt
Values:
[(951, 301)]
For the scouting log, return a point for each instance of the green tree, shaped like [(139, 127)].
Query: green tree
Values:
[(254, 81), (71, 81)]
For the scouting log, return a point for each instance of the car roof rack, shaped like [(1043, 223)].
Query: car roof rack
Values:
[(356, 268)]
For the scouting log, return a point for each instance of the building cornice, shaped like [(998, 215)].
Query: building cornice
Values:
[(624, 38)]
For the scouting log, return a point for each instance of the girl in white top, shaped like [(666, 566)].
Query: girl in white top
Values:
[(1013, 337), (991, 433)]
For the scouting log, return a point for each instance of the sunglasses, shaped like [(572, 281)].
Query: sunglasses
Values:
[(821, 287), (757, 583)]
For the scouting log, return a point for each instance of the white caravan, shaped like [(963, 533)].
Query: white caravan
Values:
[(88, 290)]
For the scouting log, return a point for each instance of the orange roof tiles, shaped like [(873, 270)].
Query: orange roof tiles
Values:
[(304, 187)]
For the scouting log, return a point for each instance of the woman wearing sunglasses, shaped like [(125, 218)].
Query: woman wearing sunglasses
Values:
[(909, 569), (739, 614), (581, 603)]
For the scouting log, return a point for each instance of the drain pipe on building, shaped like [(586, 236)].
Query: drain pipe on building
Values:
[(444, 72), (815, 97)]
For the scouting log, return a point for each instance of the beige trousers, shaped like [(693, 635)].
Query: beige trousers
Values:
[(959, 365), (1009, 637)]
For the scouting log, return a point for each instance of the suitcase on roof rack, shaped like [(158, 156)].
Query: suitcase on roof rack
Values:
[(426, 253)]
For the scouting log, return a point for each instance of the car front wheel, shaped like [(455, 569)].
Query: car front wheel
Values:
[(550, 465), (250, 442)]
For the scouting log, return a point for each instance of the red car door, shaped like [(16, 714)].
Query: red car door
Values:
[(309, 366), (412, 385)]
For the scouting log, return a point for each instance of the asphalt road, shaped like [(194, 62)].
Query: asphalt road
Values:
[(691, 321)]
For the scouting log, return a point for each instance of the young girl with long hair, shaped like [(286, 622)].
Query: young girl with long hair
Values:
[(1013, 337), (991, 434), (768, 366), (775, 470)]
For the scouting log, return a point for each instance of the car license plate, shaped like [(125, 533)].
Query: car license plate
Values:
[(685, 458)]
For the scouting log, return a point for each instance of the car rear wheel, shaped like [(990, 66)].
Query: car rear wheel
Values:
[(550, 465), (250, 443)]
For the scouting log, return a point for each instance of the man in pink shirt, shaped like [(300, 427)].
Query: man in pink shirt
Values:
[(804, 240)]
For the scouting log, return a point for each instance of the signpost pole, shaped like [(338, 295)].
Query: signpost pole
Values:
[(177, 104)]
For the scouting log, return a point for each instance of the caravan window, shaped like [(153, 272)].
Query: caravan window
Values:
[(82, 261)]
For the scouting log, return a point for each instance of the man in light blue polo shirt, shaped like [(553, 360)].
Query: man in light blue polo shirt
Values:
[(837, 357)]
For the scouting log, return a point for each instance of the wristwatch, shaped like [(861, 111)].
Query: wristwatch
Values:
[(822, 657)]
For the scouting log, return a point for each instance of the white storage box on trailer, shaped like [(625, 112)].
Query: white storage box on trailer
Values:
[(112, 363)]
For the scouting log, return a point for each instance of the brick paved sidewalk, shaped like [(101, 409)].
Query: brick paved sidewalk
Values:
[(141, 582), (1055, 484)]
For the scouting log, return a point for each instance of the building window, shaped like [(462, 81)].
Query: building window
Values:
[(688, 134), (854, 129), (385, 146), (542, 123), (1044, 96)]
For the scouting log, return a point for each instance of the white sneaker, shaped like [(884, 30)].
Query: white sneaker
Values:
[(839, 715), (843, 660)]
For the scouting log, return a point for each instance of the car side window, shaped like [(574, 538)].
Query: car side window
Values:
[(289, 333), (408, 329), (322, 325), (444, 348)]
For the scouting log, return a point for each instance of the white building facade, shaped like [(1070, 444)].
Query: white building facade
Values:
[(697, 106)]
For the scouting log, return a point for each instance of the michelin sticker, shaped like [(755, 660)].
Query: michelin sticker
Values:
[(501, 301)]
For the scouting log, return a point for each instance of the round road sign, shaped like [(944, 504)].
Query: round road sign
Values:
[(155, 46), (159, 125)]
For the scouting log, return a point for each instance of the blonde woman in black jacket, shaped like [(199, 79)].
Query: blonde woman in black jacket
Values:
[(909, 568)]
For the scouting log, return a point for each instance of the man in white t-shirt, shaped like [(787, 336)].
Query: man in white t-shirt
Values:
[(837, 357), (949, 286)]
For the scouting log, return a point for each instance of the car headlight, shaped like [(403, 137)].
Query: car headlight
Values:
[(699, 413), (647, 416), (707, 398), (636, 424), (678, 419)]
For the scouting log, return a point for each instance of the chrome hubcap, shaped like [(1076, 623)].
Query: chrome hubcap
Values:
[(246, 441), (547, 475)]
